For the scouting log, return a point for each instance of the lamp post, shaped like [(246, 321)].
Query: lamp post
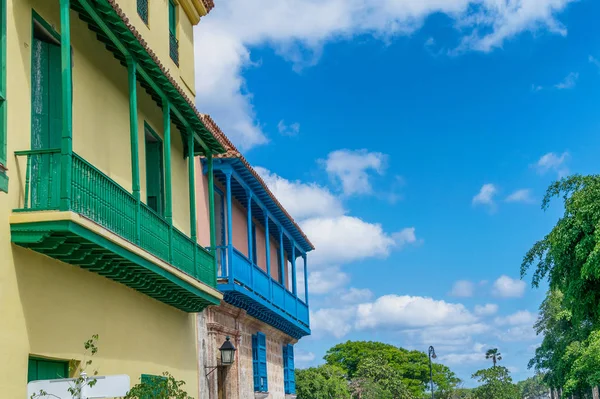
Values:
[(432, 355)]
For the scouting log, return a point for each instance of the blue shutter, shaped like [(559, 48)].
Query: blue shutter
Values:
[(255, 363), (289, 374), (262, 362)]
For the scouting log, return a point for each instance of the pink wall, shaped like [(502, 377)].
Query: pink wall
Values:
[(239, 220)]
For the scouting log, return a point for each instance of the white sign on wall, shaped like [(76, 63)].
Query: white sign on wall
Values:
[(109, 386)]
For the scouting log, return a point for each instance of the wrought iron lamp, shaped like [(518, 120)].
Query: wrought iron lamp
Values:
[(227, 355), (432, 355)]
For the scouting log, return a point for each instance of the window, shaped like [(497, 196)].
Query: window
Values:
[(173, 42), (155, 181), (3, 113), (45, 369), (259, 362), (289, 374), (142, 9), (156, 381)]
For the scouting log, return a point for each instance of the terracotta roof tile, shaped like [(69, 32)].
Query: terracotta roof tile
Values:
[(208, 4), (232, 152)]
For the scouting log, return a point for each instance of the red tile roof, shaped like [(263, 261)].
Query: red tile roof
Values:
[(232, 152), (208, 4)]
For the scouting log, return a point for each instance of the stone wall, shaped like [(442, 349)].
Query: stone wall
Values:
[(236, 381)]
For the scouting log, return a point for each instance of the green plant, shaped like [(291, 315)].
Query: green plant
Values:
[(165, 387), (80, 368)]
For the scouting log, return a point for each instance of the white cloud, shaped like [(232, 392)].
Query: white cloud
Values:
[(486, 196), (463, 288), (356, 295), (553, 162), (518, 334), (299, 29), (454, 336), (486, 310), (326, 280), (569, 82), (473, 356), (352, 169), (333, 321), (406, 312), (507, 287), (302, 200), (288, 130), (302, 357), (405, 236), (345, 239), (520, 318), (523, 195)]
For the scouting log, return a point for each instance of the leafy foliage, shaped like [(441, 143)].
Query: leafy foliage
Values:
[(496, 383), (493, 354), (410, 368), (533, 388), (323, 382), (165, 387)]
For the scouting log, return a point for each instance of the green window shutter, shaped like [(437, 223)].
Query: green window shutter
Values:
[(142, 9), (44, 369), (156, 383), (172, 17), (155, 181), (173, 42)]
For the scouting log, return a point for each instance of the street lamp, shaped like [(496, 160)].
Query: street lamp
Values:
[(432, 355), (227, 356), (227, 352)]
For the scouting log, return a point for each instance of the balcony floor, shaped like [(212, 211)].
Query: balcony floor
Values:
[(73, 239)]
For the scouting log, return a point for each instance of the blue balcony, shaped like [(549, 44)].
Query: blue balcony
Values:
[(261, 252)]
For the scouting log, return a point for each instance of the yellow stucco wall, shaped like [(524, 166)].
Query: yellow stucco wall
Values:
[(50, 308), (156, 34)]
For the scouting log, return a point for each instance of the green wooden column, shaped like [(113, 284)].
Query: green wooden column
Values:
[(66, 145), (133, 135), (192, 189), (168, 185), (211, 211)]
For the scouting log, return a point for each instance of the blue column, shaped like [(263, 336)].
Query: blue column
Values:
[(305, 279), (251, 248), (229, 227), (268, 254), (281, 256), (250, 241), (294, 288)]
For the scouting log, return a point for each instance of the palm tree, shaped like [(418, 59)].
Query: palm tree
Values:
[(493, 354)]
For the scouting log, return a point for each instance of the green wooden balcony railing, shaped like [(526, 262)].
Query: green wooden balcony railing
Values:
[(100, 199)]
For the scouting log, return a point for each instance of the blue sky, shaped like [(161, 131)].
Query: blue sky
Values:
[(413, 141)]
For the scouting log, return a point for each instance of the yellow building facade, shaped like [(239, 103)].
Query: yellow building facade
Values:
[(98, 231)]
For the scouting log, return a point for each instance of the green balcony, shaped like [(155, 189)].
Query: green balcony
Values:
[(107, 231)]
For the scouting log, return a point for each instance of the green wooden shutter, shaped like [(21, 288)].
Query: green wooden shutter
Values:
[(172, 17), (142, 9), (44, 369), (46, 128), (155, 183)]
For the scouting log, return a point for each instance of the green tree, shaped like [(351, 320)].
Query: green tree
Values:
[(411, 367), (493, 354), (496, 383), (533, 387), (569, 256), (323, 382), (376, 369), (165, 387)]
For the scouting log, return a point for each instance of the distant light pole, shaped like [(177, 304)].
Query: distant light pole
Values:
[(432, 355)]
